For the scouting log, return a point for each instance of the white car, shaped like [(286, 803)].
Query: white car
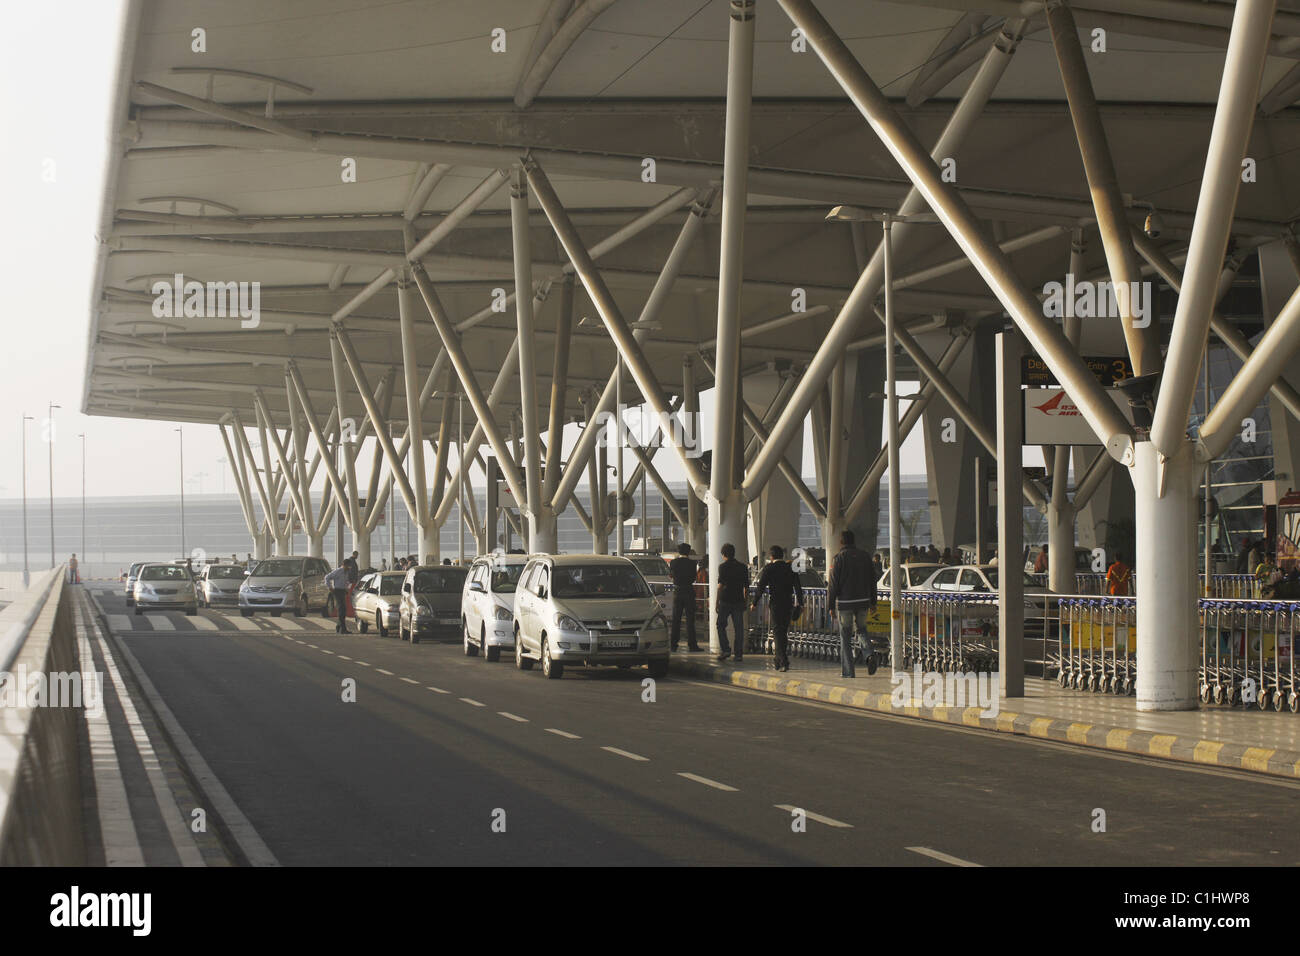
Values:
[(376, 601), (220, 584), (487, 608), (165, 586), (655, 571), (587, 609), (914, 576)]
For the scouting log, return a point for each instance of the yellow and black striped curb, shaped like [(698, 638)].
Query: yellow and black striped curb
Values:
[(1145, 743)]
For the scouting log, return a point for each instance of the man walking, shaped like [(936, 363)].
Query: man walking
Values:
[(683, 571), (73, 578), (733, 582), (851, 596), (1118, 576), (337, 582), (785, 601)]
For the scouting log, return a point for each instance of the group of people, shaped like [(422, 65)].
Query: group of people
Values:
[(851, 598)]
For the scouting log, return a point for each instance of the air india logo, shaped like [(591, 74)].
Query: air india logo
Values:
[(1058, 405)]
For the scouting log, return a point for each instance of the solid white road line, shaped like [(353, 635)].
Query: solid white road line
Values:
[(515, 717), (116, 828), (562, 733), (624, 753), (176, 821), (941, 857), (707, 782), (829, 821), (472, 702)]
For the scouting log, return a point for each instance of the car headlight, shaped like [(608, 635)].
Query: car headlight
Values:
[(566, 623), (658, 622), (422, 611), (291, 586), (505, 614)]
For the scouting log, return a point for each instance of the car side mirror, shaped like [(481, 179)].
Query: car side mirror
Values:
[(541, 592), (477, 586), (248, 574)]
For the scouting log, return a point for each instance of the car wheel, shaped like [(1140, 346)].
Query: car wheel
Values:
[(379, 624), (471, 650), (245, 612), (490, 654), (658, 669), (301, 609), (364, 625), (523, 663), (551, 669)]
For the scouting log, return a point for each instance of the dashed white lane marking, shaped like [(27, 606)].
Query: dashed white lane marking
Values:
[(472, 702), (362, 663), (324, 650), (562, 733), (202, 623), (829, 821), (344, 657), (515, 717), (314, 647), (624, 753), (941, 857), (438, 690), (707, 782), (408, 680), (162, 623), (119, 623), (380, 670)]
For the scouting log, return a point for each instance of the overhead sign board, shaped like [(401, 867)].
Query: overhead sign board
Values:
[(1109, 369), (1052, 419)]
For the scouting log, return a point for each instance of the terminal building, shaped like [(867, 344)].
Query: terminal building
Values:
[(751, 222)]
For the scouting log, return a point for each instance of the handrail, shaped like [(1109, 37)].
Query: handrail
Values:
[(28, 607)]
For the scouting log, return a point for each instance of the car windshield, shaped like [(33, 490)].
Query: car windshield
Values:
[(164, 572), (506, 577), (598, 581), (653, 567), (391, 584), (278, 568), (436, 580), (135, 568), (225, 572), (992, 575)]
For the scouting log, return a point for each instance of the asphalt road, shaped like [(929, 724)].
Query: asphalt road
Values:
[(438, 747)]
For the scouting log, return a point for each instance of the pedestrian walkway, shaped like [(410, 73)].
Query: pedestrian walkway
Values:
[(1240, 738)]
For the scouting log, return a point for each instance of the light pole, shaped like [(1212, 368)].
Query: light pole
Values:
[(886, 220), (180, 440), (49, 420), (82, 436), (27, 574)]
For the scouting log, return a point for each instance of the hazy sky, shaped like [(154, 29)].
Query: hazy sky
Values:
[(58, 63)]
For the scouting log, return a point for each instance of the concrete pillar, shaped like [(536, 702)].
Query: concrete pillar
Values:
[(1060, 547), (1278, 279), (1168, 633), (864, 418), (361, 545), (544, 531), (315, 545), (774, 514), (726, 526), (430, 544)]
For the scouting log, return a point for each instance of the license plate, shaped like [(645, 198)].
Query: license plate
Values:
[(618, 644), (448, 620)]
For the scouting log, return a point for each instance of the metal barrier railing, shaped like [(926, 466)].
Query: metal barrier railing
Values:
[(1230, 586)]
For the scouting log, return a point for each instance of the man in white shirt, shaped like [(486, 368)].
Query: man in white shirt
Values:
[(337, 582)]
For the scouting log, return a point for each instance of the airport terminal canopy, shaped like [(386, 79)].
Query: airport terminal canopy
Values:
[(301, 147)]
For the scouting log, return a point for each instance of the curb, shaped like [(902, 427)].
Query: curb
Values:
[(1144, 743)]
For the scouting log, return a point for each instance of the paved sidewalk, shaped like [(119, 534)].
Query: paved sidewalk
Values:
[(1239, 738)]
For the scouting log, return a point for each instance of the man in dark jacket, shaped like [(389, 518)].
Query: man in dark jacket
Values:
[(733, 583), (683, 570), (785, 599), (851, 597)]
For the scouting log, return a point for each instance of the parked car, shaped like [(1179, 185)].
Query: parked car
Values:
[(285, 584), (1082, 561), (219, 584), (430, 602), (913, 576), (163, 586), (487, 607), (587, 609), (966, 578), (132, 575), (655, 571), (376, 600)]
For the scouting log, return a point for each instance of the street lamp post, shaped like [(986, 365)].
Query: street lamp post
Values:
[(180, 440), (27, 574), (49, 420), (82, 436)]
